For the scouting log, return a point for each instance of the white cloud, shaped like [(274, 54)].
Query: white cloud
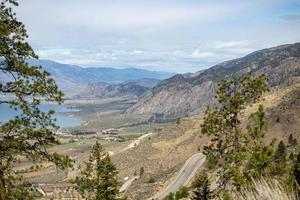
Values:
[(221, 50), (234, 47), (229, 44), (76, 21), (202, 54), (165, 35), (137, 52)]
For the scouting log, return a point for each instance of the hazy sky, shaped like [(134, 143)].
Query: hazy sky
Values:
[(169, 35)]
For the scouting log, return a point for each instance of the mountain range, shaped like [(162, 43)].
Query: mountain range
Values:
[(189, 94), (71, 78), (134, 88)]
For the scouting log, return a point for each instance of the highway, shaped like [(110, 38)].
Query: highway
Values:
[(184, 176), (126, 185)]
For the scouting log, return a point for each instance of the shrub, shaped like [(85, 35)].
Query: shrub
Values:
[(142, 171), (182, 193), (170, 196), (151, 180)]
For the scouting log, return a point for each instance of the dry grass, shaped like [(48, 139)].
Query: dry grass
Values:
[(161, 156), (172, 143), (283, 108), (266, 190)]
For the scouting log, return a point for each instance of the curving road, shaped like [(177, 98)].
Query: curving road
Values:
[(184, 176), (126, 185), (136, 142)]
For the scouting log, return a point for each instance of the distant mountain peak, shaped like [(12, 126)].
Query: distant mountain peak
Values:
[(72, 77)]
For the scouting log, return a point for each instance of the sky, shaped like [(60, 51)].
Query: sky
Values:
[(166, 35)]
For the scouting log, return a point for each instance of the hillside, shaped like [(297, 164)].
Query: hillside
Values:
[(70, 78), (161, 155), (133, 88), (164, 153), (186, 95)]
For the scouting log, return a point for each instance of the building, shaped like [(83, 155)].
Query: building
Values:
[(115, 138), (109, 131)]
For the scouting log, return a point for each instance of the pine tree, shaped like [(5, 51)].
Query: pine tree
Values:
[(98, 180), (227, 150), (279, 164), (296, 171), (260, 153), (292, 141), (178, 121), (31, 131), (170, 196), (292, 156), (142, 171), (201, 189), (280, 154), (183, 192)]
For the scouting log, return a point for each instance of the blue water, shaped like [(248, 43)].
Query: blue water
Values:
[(63, 120)]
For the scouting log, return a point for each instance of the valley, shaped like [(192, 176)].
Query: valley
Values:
[(149, 100), (153, 126)]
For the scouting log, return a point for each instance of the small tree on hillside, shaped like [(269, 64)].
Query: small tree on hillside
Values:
[(98, 180), (178, 121), (142, 171), (292, 141), (202, 189), (296, 170), (280, 159)]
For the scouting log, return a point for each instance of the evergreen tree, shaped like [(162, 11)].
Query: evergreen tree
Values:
[(178, 121), (260, 154), (201, 189), (280, 154), (296, 171), (98, 180), (170, 196), (31, 131), (142, 171), (279, 166), (227, 151), (291, 156), (183, 192), (292, 141)]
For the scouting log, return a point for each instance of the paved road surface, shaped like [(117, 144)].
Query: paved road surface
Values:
[(184, 176), (126, 185)]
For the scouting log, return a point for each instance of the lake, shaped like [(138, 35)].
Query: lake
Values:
[(63, 119)]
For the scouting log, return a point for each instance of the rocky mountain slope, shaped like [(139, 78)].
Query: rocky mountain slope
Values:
[(183, 95), (70, 78), (134, 88)]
